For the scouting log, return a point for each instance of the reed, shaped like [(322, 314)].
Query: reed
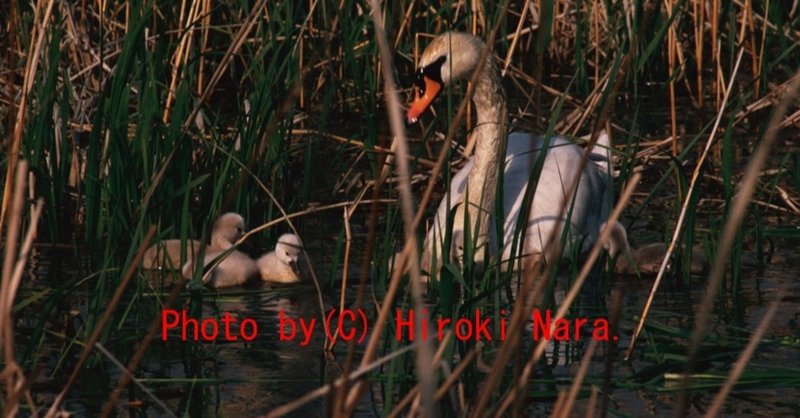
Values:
[(127, 116)]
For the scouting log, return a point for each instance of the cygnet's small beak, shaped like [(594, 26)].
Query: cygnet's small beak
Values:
[(293, 265), (427, 90)]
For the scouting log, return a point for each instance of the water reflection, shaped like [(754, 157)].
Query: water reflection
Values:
[(250, 378)]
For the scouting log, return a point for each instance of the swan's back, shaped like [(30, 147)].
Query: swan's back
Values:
[(560, 168), (561, 165)]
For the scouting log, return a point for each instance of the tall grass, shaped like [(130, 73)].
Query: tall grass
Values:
[(144, 113)]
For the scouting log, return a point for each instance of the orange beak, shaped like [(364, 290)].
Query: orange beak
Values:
[(423, 99)]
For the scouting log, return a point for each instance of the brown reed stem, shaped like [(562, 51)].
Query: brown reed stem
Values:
[(746, 189), (144, 345), (682, 217), (110, 308)]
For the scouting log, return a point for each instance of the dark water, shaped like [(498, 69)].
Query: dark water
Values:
[(250, 378)]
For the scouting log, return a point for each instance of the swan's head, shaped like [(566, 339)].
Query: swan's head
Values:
[(229, 228), (288, 250), (450, 57)]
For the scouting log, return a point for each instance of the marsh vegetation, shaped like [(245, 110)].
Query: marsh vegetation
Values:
[(126, 123)]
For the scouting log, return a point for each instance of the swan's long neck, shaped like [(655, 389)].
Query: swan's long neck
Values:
[(489, 135)]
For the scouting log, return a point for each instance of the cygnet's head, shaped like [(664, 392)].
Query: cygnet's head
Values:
[(228, 227), (288, 249), (617, 243)]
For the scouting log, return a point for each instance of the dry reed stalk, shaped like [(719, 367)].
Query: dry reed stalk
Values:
[(285, 217), (746, 189), (515, 38), (374, 148), (754, 55), (521, 309), (125, 372), (128, 373), (698, 19), (346, 214), (101, 324), (682, 217), (10, 80), (715, 50), (205, 12), (558, 405), (424, 351), (792, 203), (404, 24), (791, 33), (222, 67), (533, 276), (394, 281), (17, 199), (721, 202), (181, 56), (583, 109), (38, 35), (595, 36), (452, 379), (541, 345), (580, 114), (304, 212), (744, 358), (589, 413), (13, 266), (413, 396), (671, 53), (338, 383), (78, 59), (569, 401), (610, 355)]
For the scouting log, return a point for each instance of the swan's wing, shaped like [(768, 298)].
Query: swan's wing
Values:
[(560, 168), (434, 239)]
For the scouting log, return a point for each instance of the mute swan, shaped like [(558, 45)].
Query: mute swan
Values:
[(167, 254), (281, 265), (454, 56)]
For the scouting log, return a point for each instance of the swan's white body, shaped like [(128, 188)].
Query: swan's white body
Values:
[(591, 200), (281, 265), (454, 56)]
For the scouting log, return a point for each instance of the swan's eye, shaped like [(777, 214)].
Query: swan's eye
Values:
[(432, 71), (420, 82)]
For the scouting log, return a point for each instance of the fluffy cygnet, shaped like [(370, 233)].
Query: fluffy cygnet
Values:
[(235, 269), (647, 260), (281, 265), (228, 228)]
